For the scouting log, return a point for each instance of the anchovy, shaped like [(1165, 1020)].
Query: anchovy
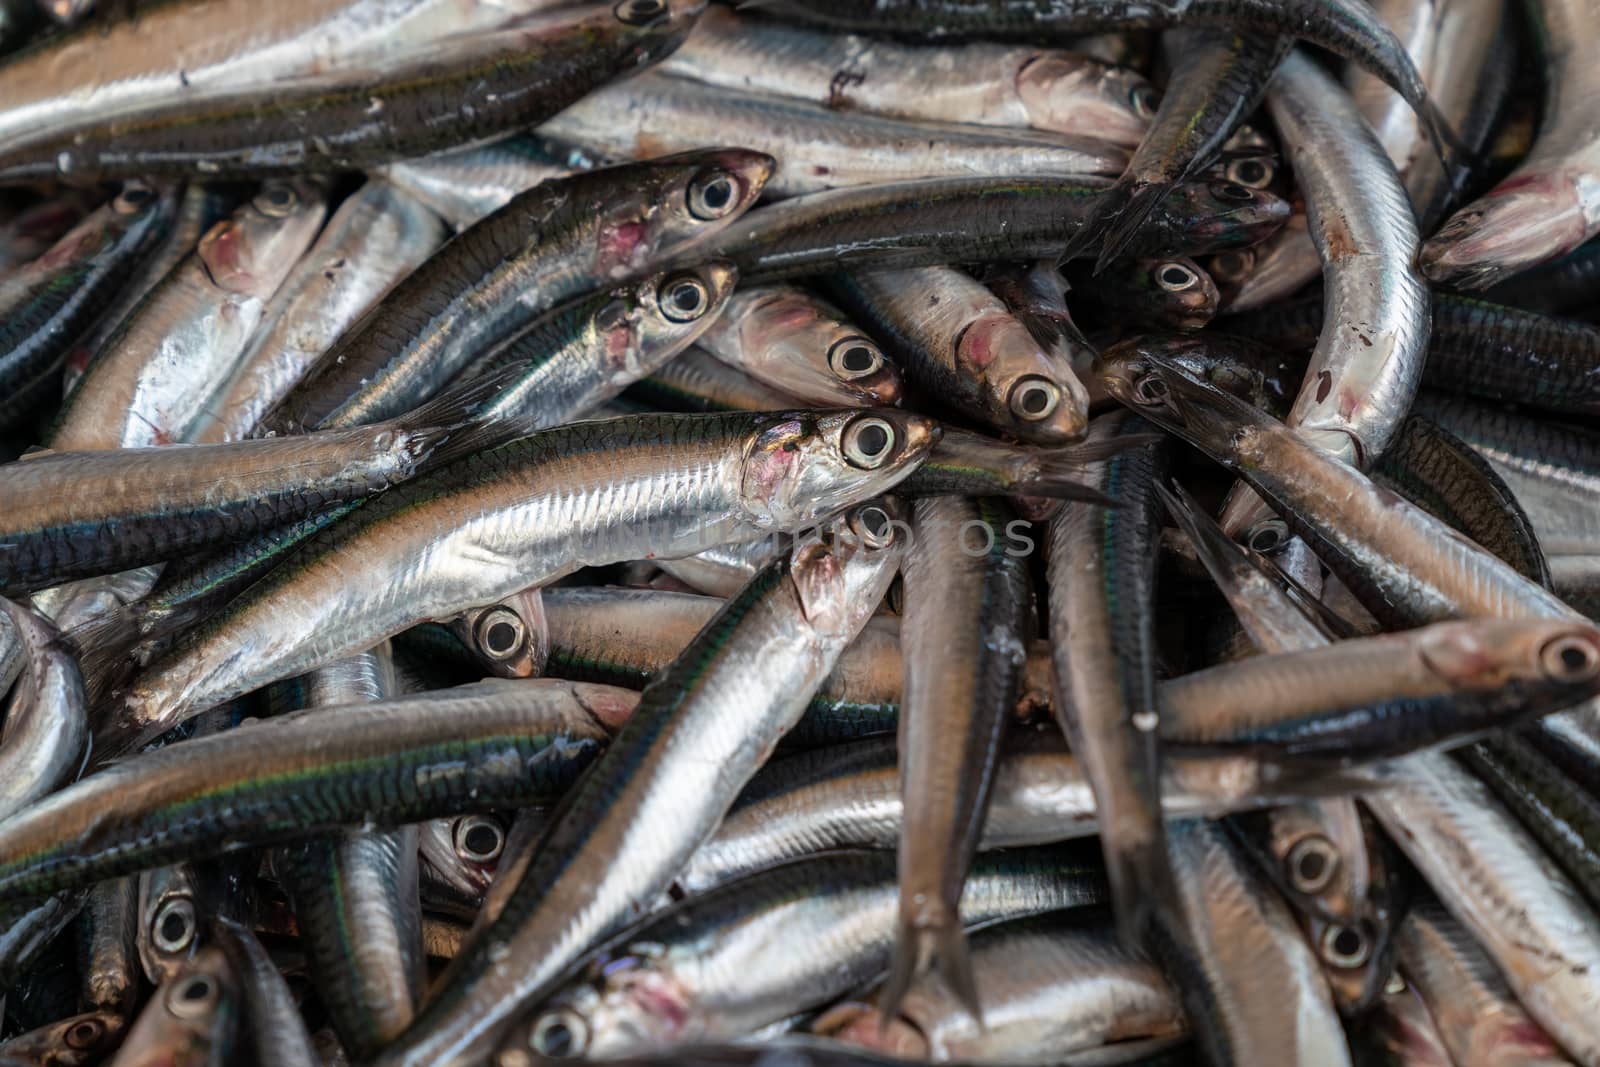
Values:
[(554, 242), (149, 383), (108, 957), (714, 971), (949, 220), (274, 1030), (46, 728), (496, 742), (816, 148), (1173, 293), (465, 185), (983, 84), (377, 237), (701, 731), (191, 1020), (697, 381), (76, 1041)]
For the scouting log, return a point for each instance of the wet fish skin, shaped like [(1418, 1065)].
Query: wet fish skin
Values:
[(802, 346), (1057, 987), (816, 148), (76, 1041), (989, 85), (273, 1029), (107, 956), (708, 982), (963, 642), (705, 480), (46, 728), (78, 514), (467, 184), (510, 740), (955, 220), (1259, 374), (1101, 570), (376, 237), (48, 304), (554, 242), (703, 728), (149, 384), (697, 381), (517, 76)]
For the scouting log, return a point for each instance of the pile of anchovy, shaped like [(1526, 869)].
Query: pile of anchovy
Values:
[(809, 534)]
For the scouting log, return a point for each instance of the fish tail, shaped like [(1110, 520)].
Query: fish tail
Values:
[(917, 948), (1143, 891), (1058, 474), (1094, 227), (1217, 552), (1139, 204), (453, 424), (105, 647)]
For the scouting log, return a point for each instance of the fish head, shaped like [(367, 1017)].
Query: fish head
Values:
[(1181, 294), (1176, 399), (251, 252), (641, 326), (657, 26), (1526, 220), (842, 569), (189, 1020), (1071, 93), (618, 1005), (1210, 216), (1521, 657), (85, 1038), (800, 466), (1029, 391), (1253, 373), (801, 335), (693, 196)]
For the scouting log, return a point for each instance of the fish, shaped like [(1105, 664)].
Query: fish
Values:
[(272, 1026), (46, 728), (982, 84), (1174, 293), (963, 644), (702, 729), (192, 1020), (76, 1041), (466, 184)]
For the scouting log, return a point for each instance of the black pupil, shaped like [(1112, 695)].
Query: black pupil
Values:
[(1265, 539), (502, 637), (1312, 864), (1347, 942), (875, 521), (857, 358), (716, 193), (556, 1040), (173, 927), (481, 839), (872, 439), (686, 297), (1175, 276), (1035, 400), (1252, 171), (199, 989), (1573, 658), (84, 1033)]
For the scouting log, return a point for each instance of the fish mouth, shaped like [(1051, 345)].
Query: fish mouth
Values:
[(1521, 223)]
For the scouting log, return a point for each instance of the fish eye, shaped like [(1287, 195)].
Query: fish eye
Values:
[(1268, 535), (854, 357), (639, 12), (1175, 278), (500, 633), (192, 996), (1570, 659), (868, 442), (134, 197), (479, 839), (1144, 99), (712, 195), (85, 1034), (1345, 946), (275, 201), (1034, 398), (1232, 191), (1254, 173), (1311, 864), (174, 927), (873, 525), (1150, 390), (561, 1034), (684, 298)]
